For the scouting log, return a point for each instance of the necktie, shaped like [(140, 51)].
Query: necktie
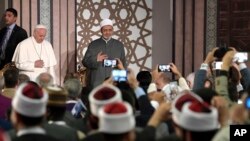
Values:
[(4, 42)]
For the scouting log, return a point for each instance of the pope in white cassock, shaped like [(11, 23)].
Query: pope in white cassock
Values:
[(35, 55)]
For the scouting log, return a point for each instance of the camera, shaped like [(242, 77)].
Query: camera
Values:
[(240, 57), (119, 75), (164, 68), (109, 63)]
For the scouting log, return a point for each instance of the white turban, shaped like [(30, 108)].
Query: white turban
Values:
[(106, 22)]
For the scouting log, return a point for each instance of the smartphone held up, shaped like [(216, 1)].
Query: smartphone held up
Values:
[(119, 75), (164, 68), (109, 62), (240, 57)]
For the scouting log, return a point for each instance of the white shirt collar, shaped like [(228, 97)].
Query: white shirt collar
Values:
[(12, 26), (106, 39), (31, 130), (71, 101), (62, 123)]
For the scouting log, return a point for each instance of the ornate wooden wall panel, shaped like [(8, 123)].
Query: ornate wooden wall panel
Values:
[(233, 23)]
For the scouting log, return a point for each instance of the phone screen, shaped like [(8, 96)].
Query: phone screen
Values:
[(247, 103), (109, 62), (164, 68), (119, 75), (217, 65), (79, 109), (240, 57)]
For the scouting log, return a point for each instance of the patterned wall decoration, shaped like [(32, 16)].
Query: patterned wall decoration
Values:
[(45, 16), (211, 22), (132, 25)]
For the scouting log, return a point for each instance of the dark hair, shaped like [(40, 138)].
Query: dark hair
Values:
[(206, 94), (221, 51), (11, 78), (55, 113), (30, 121), (144, 78), (197, 136), (12, 10), (114, 137)]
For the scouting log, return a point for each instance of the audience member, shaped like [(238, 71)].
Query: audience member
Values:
[(44, 79), (22, 78), (117, 122), (163, 84), (8, 92), (190, 80), (10, 82), (56, 109), (27, 121), (74, 88), (76, 109), (193, 119), (100, 96), (144, 78)]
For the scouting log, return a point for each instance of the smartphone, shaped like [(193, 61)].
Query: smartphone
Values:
[(164, 68), (174, 90), (109, 63), (217, 65), (247, 103), (240, 57), (119, 75)]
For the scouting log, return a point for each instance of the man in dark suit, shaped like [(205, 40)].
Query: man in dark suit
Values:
[(10, 36)]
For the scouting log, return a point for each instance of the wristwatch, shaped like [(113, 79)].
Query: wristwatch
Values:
[(204, 66)]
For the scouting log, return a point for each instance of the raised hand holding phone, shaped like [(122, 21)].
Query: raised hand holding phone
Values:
[(101, 56), (164, 68)]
